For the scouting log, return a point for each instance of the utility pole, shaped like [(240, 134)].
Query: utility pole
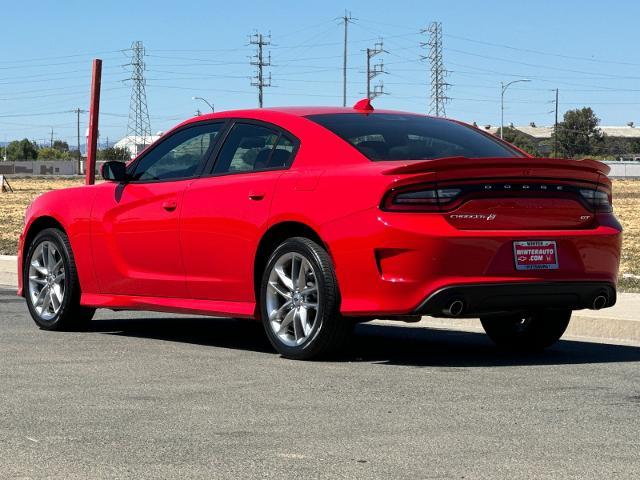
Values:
[(346, 19), (78, 111), (374, 71), (555, 129), (139, 126), (260, 62), (439, 74), (51, 142)]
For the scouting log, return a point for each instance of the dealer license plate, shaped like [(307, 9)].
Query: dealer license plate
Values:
[(536, 255)]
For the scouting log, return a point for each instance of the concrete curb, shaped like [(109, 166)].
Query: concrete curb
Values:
[(9, 271), (620, 323)]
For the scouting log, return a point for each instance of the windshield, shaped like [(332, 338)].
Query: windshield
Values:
[(390, 136)]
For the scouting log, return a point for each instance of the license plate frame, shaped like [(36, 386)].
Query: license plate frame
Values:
[(535, 255)]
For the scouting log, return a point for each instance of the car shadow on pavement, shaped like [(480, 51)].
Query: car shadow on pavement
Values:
[(380, 344), (417, 346), (215, 332)]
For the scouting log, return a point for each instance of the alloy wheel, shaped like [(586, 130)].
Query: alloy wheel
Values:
[(46, 280), (292, 299)]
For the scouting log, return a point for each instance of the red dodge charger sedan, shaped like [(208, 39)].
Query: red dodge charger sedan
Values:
[(311, 219)]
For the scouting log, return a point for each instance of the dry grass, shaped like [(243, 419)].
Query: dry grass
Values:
[(13, 205), (626, 203)]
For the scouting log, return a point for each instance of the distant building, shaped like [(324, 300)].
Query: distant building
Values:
[(545, 133), (541, 135), (135, 144)]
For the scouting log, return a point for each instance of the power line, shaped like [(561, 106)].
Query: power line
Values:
[(438, 72), (260, 62), (538, 52), (88, 54), (602, 76)]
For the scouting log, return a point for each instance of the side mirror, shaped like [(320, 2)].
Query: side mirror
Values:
[(114, 171)]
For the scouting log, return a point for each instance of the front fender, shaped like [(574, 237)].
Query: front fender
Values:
[(70, 210)]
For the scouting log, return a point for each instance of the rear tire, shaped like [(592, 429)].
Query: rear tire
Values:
[(51, 285), (531, 331), (299, 302)]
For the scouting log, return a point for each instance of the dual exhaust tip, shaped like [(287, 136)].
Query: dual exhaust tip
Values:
[(456, 307), (599, 301)]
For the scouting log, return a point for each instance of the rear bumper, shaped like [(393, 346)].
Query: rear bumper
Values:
[(389, 263), (484, 299)]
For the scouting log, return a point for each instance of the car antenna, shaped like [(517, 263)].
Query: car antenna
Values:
[(363, 105)]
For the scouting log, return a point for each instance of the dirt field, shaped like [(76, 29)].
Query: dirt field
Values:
[(626, 204), (13, 205)]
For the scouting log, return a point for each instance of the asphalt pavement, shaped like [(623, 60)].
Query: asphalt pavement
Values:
[(145, 395)]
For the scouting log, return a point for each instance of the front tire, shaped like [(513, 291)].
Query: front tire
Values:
[(299, 301), (52, 289), (531, 331)]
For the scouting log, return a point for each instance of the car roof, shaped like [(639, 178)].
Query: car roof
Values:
[(295, 111), (301, 111)]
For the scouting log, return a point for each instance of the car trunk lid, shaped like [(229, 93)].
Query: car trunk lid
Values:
[(509, 193)]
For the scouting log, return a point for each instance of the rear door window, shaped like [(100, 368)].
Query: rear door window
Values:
[(250, 147)]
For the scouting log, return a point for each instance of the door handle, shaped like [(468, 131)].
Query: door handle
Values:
[(169, 206), (256, 195)]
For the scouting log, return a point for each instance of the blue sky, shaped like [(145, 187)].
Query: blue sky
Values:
[(587, 49)]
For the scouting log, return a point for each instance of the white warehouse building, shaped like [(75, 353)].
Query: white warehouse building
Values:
[(135, 144)]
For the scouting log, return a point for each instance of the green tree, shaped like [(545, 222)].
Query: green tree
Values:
[(578, 133), (61, 145), (113, 153), (48, 153), (520, 140), (22, 150)]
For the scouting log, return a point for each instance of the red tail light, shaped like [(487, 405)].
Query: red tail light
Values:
[(419, 198), (434, 198), (598, 200)]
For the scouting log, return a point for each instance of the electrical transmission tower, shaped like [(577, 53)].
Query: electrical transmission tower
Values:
[(139, 126), (438, 72), (260, 62), (346, 19), (375, 70)]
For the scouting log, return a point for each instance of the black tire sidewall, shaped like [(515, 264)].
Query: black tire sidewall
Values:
[(327, 286), (59, 239), (545, 328)]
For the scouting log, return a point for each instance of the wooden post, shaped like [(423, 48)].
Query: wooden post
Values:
[(94, 111), (4, 185)]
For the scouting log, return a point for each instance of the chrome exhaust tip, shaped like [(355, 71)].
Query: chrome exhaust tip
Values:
[(455, 308), (600, 301)]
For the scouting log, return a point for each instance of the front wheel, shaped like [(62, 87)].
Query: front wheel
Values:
[(51, 283), (530, 331), (300, 301)]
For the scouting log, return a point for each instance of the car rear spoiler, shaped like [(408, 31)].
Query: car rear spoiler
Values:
[(461, 163)]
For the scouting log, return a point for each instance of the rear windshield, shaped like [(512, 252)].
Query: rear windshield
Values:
[(390, 136)]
